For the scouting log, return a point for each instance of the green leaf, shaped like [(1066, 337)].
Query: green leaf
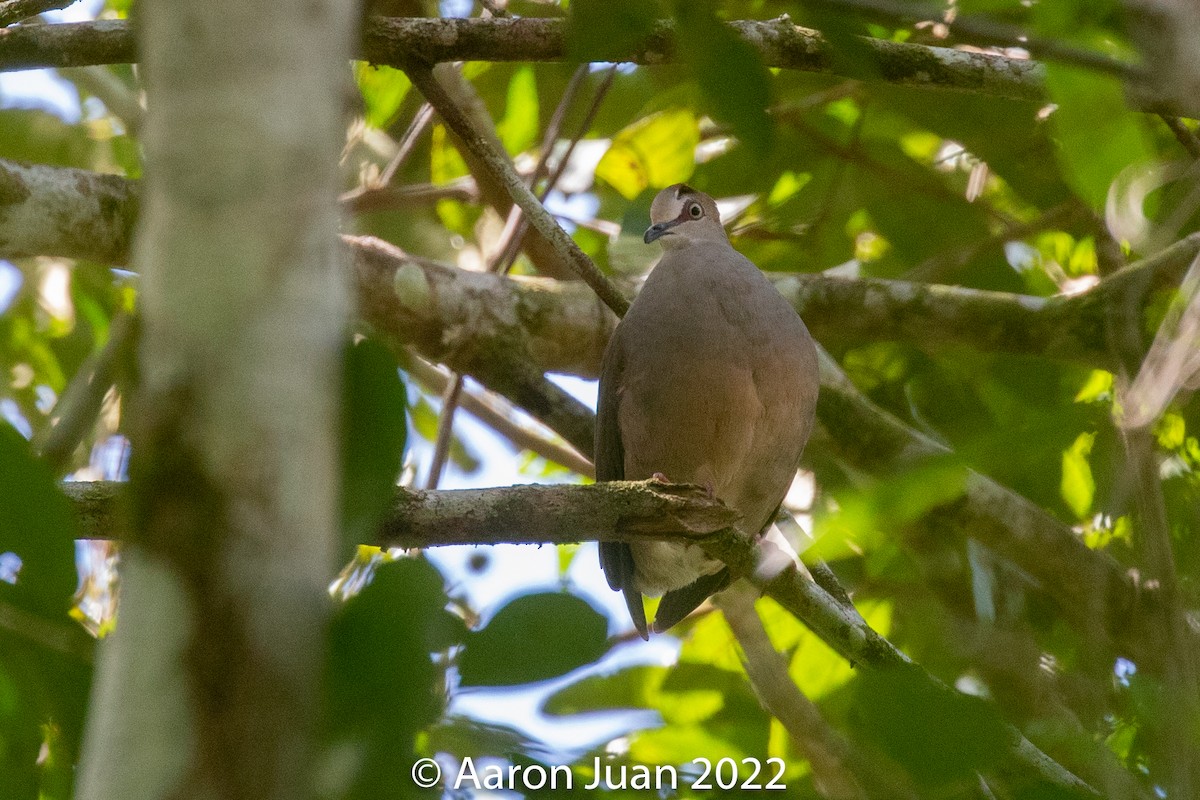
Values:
[(679, 744), (1098, 137), (382, 685), (374, 429), (383, 91), (37, 524), (596, 27), (866, 519), (519, 128), (654, 152), (533, 638), (39, 137), (728, 70), (635, 687), (1078, 485), (938, 734), (380, 671), (43, 701), (445, 162), (445, 165), (1098, 387)]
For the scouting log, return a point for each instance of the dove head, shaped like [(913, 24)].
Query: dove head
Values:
[(680, 215)]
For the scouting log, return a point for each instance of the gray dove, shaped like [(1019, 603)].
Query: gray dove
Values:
[(711, 379)]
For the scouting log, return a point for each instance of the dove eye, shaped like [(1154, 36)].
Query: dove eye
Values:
[(695, 211)]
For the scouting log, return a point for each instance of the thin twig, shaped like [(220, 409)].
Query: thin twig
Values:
[(122, 101), (363, 199), (501, 262), (500, 415), (1186, 137), (939, 268), (554, 126), (839, 769), (408, 143), (584, 127), (65, 637), (917, 181), (509, 255), (16, 10), (445, 429), (501, 170), (77, 408)]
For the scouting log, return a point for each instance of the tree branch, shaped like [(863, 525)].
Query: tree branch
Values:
[(500, 415), (530, 514), (778, 42), (619, 511), (404, 300), (840, 770), (398, 42), (1091, 589), (16, 10), (66, 637), (56, 211), (507, 332), (65, 212), (501, 170), (76, 410), (982, 30)]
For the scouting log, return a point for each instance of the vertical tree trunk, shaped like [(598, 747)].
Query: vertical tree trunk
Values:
[(208, 687)]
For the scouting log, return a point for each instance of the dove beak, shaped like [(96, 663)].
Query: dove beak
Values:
[(660, 230)]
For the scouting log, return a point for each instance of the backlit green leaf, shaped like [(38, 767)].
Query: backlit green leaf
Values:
[(1078, 485), (1099, 138), (653, 153), (383, 91), (374, 430), (532, 638), (37, 525), (519, 129)]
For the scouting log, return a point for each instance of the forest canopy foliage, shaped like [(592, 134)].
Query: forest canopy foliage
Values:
[(986, 211)]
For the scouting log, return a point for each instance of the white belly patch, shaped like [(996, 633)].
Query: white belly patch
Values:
[(665, 566)]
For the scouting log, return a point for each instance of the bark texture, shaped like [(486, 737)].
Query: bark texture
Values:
[(209, 686)]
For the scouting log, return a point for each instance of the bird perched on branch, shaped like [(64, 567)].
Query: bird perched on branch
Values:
[(711, 378)]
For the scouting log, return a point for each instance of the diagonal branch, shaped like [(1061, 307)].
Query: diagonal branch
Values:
[(1091, 588), (502, 171), (500, 263), (499, 415), (403, 298), (76, 410), (840, 770)]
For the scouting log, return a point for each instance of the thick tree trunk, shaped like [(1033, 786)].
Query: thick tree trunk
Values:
[(208, 687)]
